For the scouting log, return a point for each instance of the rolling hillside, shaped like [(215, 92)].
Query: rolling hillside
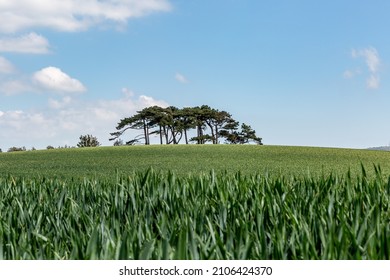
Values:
[(105, 162)]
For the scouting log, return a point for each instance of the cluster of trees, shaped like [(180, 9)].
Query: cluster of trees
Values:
[(84, 141), (172, 124), (23, 149), (50, 147), (18, 149)]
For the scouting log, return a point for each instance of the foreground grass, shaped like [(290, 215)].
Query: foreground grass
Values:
[(153, 215), (104, 162), (260, 202)]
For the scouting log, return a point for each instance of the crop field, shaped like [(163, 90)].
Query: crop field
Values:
[(106, 162), (192, 202)]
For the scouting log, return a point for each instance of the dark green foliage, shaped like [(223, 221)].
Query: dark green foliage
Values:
[(245, 136), (172, 123), (88, 141), (17, 149)]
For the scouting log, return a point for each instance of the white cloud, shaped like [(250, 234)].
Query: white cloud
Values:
[(371, 57), (180, 78), (47, 79), (373, 63), (53, 78), (13, 87), (6, 67), (348, 74), (58, 104), (18, 124), (373, 81), (127, 92), (72, 15), (29, 43), (65, 119)]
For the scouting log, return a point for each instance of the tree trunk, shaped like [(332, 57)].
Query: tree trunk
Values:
[(212, 132), (166, 135), (216, 134), (200, 134), (146, 133), (173, 134), (161, 137), (185, 136)]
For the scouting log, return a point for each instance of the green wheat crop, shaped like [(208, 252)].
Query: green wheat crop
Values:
[(155, 215)]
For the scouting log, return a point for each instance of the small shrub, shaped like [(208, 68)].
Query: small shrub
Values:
[(17, 149), (118, 142), (88, 141)]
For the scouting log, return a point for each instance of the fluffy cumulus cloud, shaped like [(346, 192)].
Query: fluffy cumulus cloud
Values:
[(29, 43), (65, 119), (372, 61), (72, 15), (52, 78)]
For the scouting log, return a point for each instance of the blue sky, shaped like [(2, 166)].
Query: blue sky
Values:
[(300, 72)]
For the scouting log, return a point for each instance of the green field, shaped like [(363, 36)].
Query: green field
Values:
[(195, 202), (105, 162)]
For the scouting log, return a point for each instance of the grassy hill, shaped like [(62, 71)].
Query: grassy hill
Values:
[(53, 208), (105, 162)]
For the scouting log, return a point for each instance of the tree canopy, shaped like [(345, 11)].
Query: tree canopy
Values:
[(173, 124)]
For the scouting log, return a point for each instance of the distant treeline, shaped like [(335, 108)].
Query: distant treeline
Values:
[(172, 124), (23, 149), (382, 148)]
